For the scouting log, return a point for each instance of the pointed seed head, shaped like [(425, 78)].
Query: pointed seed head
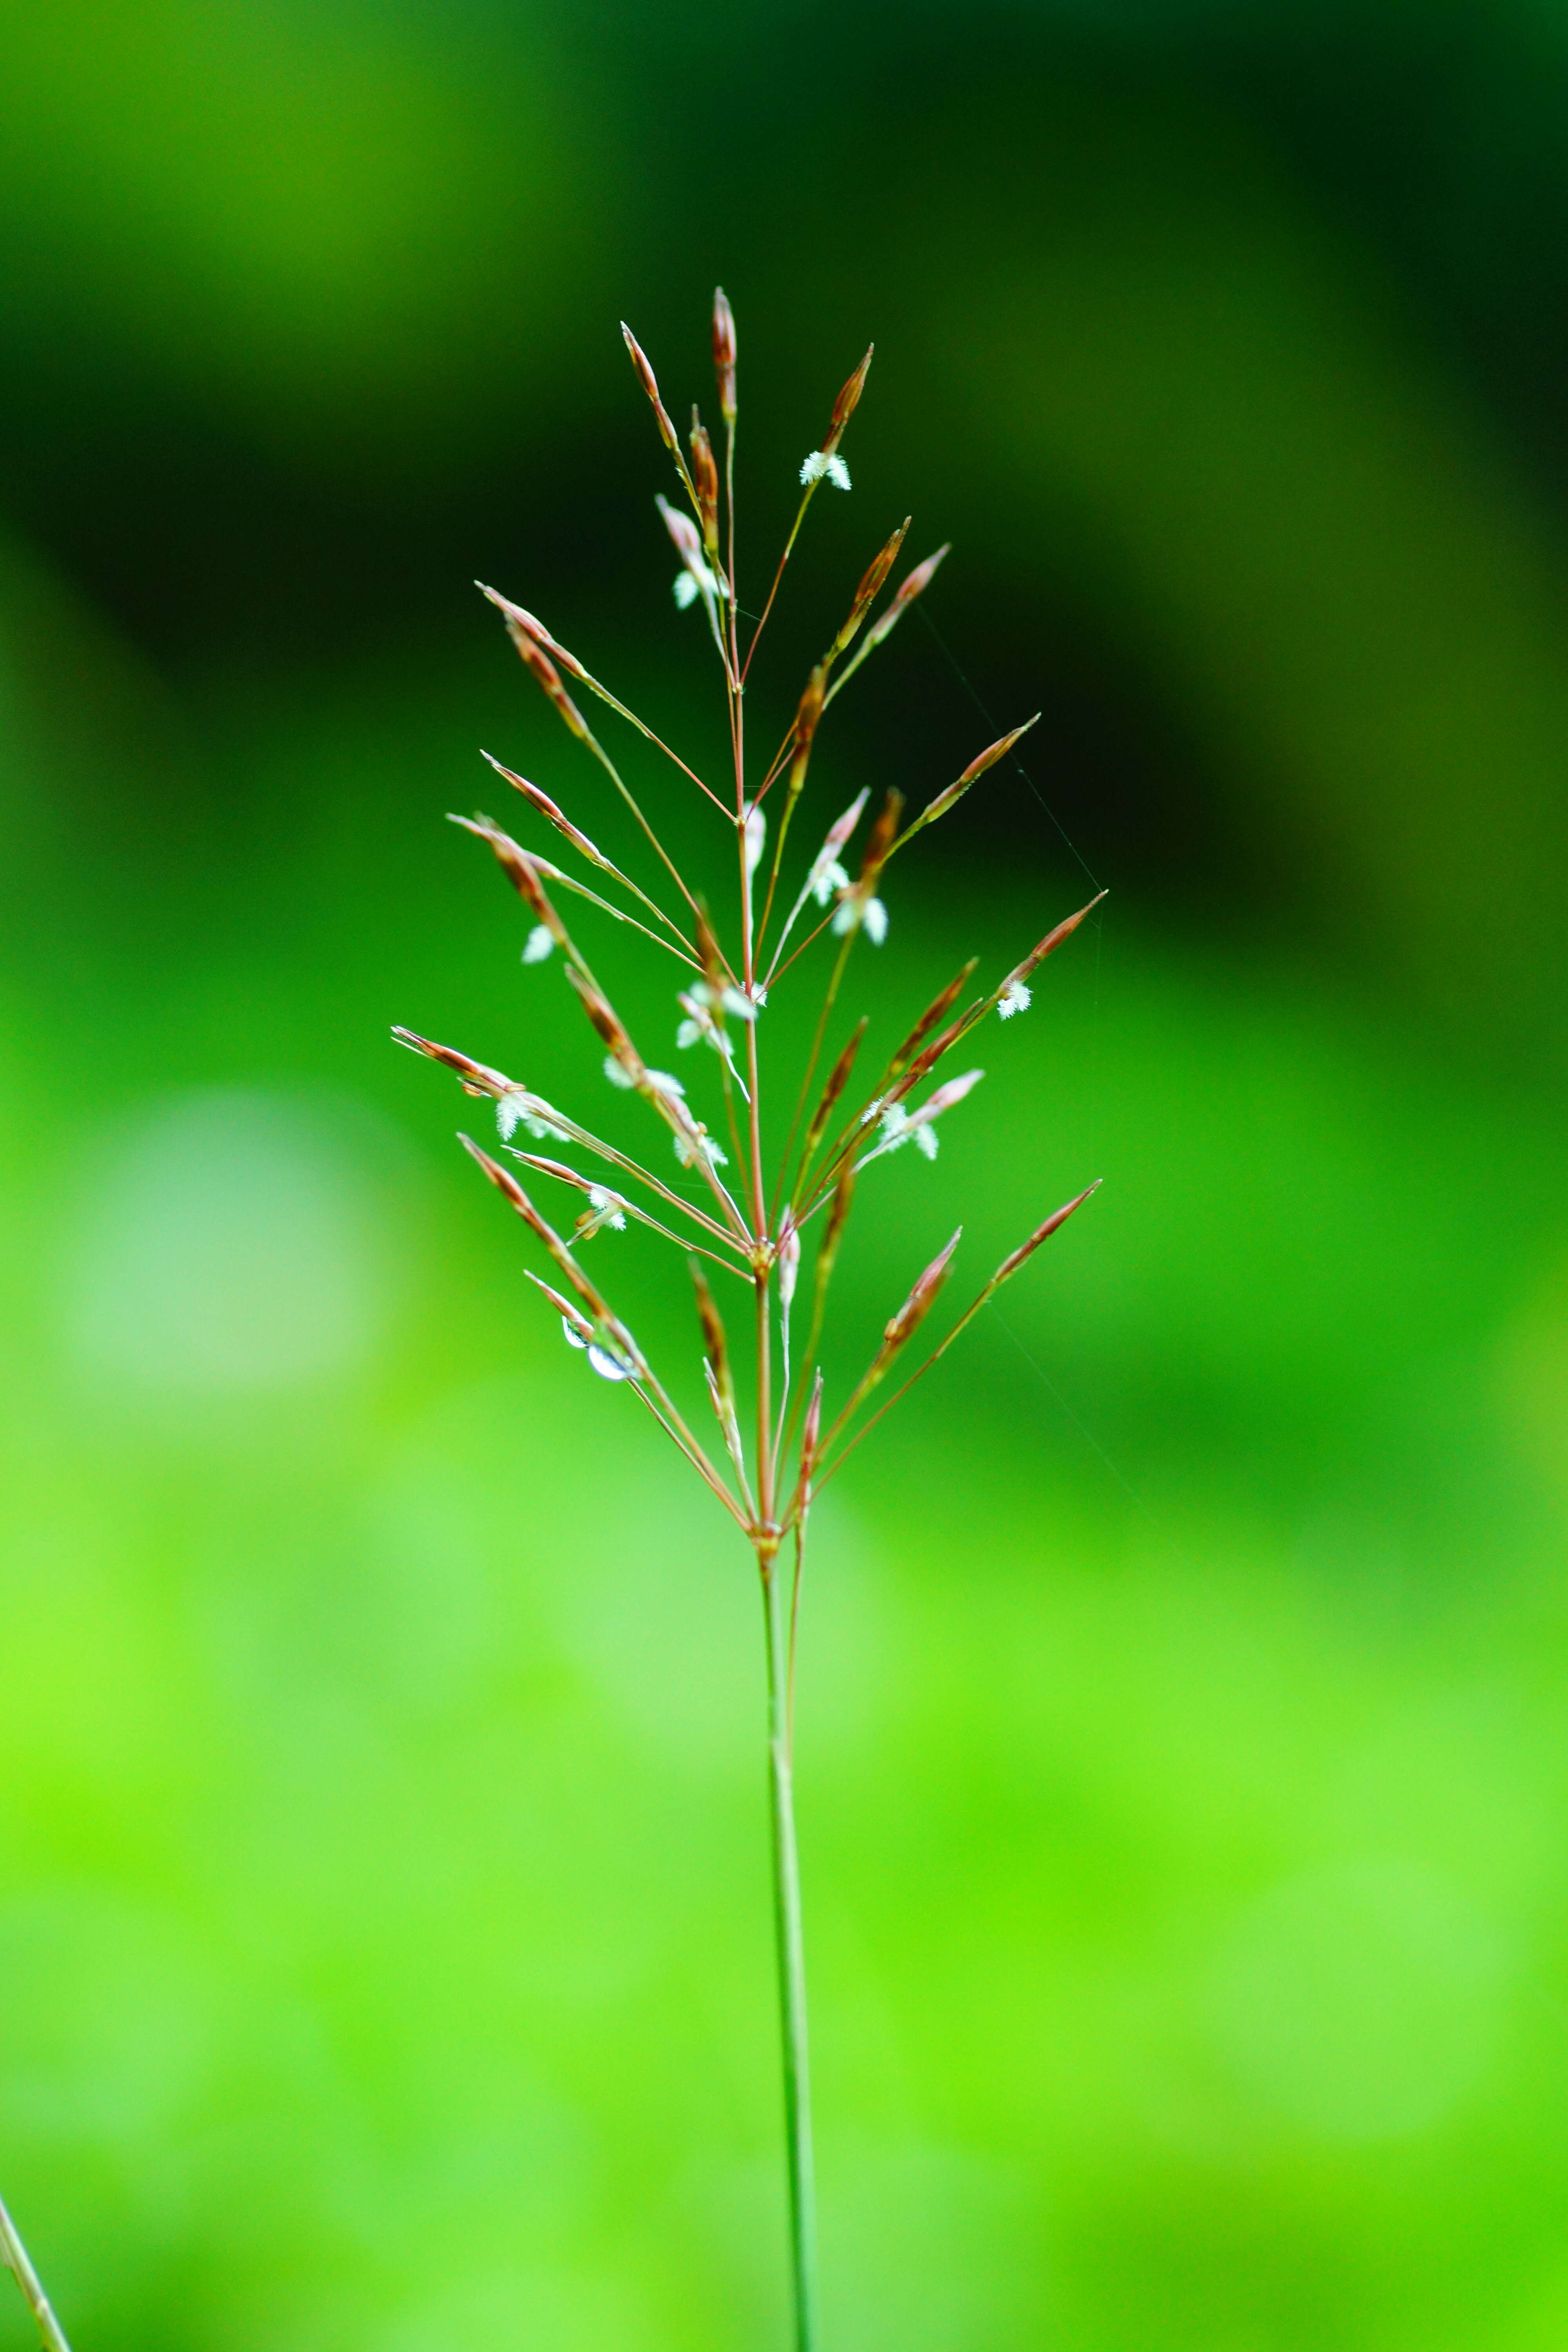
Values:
[(715, 1347), (849, 400), (650, 383), (871, 588), (724, 353), (901, 1328), (1021, 972), (547, 810), (705, 481), (1042, 1232), (476, 1078), (522, 622), (904, 595)]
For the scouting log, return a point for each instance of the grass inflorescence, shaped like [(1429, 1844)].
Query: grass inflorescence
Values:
[(767, 1159)]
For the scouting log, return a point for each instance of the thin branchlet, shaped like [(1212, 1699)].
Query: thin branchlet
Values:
[(784, 1430)]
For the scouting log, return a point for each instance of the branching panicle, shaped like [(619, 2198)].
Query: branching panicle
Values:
[(765, 1225)]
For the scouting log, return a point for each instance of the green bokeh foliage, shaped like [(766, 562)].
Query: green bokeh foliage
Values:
[(383, 1948)]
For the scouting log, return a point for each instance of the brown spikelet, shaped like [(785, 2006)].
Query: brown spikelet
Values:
[(705, 482), (904, 595), (810, 1444), (549, 678), (520, 871), (879, 840), (871, 588), (925, 1063), (1042, 1232), (715, 1346), (901, 1328), (838, 1218), (724, 353), (548, 810), (608, 1025), (934, 1011), (650, 383), (838, 1078), (1048, 945), (808, 714), (565, 1309), (476, 1078), (714, 968), (954, 792), (849, 400), (522, 622)]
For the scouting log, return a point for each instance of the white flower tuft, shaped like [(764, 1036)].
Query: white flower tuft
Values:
[(689, 1147), (696, 580), (514, 1111), (1014, 998), (814, 468), (855, 912), (928, 1142), (616, 1075), (538, 944), (895, 1128), (700, 1003), (663, 1083), (604, 1208), (756, 835), (826, 875), (838, 473)]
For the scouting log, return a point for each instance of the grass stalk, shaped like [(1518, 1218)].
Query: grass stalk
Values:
[(791, 1943), (15, 2255)]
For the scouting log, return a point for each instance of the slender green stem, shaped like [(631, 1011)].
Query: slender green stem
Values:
[(14, 2253), (792, 1966)]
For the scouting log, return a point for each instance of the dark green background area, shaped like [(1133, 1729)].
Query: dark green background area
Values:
[(384, 1941)]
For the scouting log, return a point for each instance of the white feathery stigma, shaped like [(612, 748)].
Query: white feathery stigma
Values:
[(604, 1209), (519, 1108), (696, 581), (1014, 998), (820, 464), (855, 912), (538, 944), (689, 1149)]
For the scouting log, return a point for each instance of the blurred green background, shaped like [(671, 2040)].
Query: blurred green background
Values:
[(385, 1953)]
